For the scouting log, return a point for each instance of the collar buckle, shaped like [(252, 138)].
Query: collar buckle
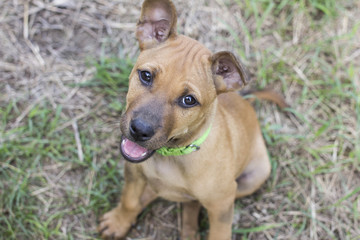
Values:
[(196, 147)]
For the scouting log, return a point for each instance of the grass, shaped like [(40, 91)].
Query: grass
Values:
[(317, 68), (28, 153), (59, 159), (32, 149)]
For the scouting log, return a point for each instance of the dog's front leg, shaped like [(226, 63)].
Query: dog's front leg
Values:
[(190, 214), (135, 196), (220, 212)]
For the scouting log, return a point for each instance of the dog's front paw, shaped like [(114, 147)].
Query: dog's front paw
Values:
[(113, 225)]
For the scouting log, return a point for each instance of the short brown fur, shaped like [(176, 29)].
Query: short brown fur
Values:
[(231, 163)]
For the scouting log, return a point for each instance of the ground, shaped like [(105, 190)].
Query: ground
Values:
[(63, 72)]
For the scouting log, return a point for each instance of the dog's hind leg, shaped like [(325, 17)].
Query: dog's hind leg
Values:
[(257, 171)]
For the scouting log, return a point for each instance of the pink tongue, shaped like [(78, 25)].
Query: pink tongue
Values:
[(133, 150)]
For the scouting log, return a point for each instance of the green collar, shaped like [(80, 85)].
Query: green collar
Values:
[(194, 146)]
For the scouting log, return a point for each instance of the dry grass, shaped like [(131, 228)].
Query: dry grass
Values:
[(60, 167)]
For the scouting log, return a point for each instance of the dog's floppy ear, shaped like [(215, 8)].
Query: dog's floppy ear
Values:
[(229, 73), (157, 23)]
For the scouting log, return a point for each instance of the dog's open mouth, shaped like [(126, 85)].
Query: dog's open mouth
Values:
[(133, 152)]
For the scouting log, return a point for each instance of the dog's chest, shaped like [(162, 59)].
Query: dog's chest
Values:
[(168, 179)]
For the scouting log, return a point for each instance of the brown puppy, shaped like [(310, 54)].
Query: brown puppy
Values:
[(201, 141)]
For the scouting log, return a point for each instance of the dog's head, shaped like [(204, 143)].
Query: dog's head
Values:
[(173, 85)]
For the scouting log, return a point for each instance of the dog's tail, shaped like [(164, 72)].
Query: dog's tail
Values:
[(268, 95)]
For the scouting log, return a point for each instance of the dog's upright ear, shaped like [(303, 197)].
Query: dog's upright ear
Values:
[(229, 73), (157, 23)]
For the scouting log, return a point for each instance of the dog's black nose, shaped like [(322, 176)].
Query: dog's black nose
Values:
[(140, 130)]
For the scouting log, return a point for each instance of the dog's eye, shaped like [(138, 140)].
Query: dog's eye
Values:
[(145, 77), (188, 101)]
